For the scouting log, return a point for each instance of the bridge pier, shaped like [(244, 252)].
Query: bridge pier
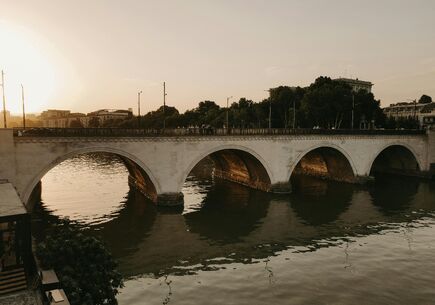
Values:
[(170, 200), (281, 188)]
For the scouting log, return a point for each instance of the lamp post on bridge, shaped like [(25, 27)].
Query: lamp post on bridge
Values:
[(270, 109), (227, 120), (353, 107), (164, 104), (24, 111), (4, 100), (294, 113), (138, 108)]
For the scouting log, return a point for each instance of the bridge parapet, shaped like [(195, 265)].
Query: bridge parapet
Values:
[(176, 132)]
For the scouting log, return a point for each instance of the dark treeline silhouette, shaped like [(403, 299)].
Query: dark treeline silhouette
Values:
[(326, 103)]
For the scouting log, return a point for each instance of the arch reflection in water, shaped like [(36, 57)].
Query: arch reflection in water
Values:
[(318, 201), (231, 223), (393, 195), (229, 212)]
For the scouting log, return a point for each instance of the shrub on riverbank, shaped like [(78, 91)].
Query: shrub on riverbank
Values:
[(84, 266)]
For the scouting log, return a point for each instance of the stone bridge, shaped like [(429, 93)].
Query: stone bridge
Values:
[(159, 163)]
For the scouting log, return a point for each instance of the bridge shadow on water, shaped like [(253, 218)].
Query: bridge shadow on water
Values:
[(232, 223)]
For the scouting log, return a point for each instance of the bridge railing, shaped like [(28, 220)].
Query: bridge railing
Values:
[(131, 132)]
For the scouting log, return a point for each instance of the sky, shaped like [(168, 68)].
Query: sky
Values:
[(85, 55)]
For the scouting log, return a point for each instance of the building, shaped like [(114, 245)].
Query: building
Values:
[(103, 116), (15, 241), (54, 113), (428, 116), (357, 84), (65, 118), (62, 119), (406, 110)]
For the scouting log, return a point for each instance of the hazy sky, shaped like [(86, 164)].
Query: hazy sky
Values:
[(87, 54)]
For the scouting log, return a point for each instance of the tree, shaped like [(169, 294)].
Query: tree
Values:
[(425, 99), (327, 103), (76, 124), (85, 268)]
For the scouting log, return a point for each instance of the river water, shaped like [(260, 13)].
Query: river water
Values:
[(326, 243)]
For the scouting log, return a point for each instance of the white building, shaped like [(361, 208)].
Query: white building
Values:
[(357, 84), (53, 118), (411, 110)]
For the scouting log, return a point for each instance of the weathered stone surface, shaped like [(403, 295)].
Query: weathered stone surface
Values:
[(160, 165)]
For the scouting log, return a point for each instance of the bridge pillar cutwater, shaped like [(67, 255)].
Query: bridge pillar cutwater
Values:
[(280, 168), (175, 199), (281, 188)]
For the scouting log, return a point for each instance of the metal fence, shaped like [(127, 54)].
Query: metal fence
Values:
[(131, 132)]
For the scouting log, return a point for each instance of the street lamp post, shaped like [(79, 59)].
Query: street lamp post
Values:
[(164, 105), (228, 101), (353, 107), (294, 114), (4, 101), (24, 111), (138, 108), (270, 110)]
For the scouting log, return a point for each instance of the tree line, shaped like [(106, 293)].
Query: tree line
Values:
[(326, 103)]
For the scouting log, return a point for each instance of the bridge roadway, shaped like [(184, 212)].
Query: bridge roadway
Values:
[(159, 161)]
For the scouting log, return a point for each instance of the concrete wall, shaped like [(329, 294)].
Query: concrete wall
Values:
[(167, 161)]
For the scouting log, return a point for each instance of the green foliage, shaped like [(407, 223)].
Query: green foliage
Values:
[(76, 124), (85, 268), (154, 119), (328, 103), (325, 103), (425, 99)]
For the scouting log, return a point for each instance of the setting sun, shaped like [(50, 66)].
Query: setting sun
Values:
[(24, 61)]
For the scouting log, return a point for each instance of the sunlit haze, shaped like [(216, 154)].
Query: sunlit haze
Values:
[(85, 55)]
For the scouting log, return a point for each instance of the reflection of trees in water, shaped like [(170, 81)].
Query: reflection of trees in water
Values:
[(393, 194), (229, 212), (318, 201), (232, 224), (123, 233)]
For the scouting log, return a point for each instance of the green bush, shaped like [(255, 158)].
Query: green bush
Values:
[(85, 268)]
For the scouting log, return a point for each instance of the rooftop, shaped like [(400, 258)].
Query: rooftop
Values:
[(10, 203), (356, 81)]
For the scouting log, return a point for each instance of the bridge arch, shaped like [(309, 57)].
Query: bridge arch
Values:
[(236, 163), (131, 162), (396, 158), (325, 160)]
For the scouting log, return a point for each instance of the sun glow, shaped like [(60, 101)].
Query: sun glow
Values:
[(25, 60)]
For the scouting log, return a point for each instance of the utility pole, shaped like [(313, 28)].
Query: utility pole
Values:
[(138, 108), (294, 114), (24, 110), (164, 105), (228, 100), (353, 106), (270, 110), (4, 101)]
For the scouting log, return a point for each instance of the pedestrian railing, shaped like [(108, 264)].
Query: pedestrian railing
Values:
[(194, 131)]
